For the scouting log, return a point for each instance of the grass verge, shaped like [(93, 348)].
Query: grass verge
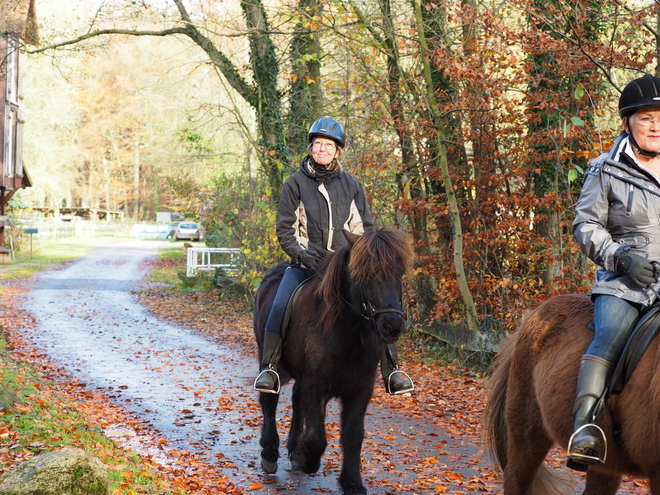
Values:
[(170, 261), (50, 415), (47, 418)]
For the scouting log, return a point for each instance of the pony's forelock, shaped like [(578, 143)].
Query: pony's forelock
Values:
[(381, 254)]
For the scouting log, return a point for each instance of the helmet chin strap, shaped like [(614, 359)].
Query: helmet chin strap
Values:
[(650, 154)]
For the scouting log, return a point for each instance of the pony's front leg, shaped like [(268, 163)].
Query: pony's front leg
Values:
[(352, 435), (296, 419), (269, 440), (309, 410)]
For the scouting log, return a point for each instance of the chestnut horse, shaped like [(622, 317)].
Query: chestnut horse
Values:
[(333, 341), (530, 408)]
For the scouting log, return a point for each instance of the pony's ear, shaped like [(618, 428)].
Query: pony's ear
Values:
[(350, 237)]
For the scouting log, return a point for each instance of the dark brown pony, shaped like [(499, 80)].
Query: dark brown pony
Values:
[(332, 346), (531, 400)]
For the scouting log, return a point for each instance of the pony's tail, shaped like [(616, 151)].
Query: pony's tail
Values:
[(494, 419), (494, 425)]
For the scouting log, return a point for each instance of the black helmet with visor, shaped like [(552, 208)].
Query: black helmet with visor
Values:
[(328, 127), (639, 93)]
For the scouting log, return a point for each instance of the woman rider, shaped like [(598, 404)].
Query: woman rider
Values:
[(317, 202), (617, 225)]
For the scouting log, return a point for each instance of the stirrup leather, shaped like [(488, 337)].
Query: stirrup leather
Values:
[(389, 382), (587, 459), (268, 390)]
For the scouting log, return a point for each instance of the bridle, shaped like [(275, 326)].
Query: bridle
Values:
[(369, 313)]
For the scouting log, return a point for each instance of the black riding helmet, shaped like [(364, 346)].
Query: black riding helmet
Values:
[(639, 93), (328, 127)]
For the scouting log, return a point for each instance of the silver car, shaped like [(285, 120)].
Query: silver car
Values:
[(187, 230)]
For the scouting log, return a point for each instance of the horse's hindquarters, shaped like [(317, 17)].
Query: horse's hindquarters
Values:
[(552, 343), (532, 391), (554, 384)]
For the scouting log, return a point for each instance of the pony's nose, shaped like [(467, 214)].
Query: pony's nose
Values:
[(391, 327)]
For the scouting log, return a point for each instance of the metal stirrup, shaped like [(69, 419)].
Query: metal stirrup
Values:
[(577, 457), (389, 382), (268, 390)]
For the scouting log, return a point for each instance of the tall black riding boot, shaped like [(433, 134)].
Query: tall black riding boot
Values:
[(268, 380), (396, 381), (587, 445)]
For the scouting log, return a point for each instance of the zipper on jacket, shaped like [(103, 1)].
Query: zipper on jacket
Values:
[(630, 198)]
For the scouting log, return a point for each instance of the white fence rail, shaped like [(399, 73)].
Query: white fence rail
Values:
[(59, 230), (206, 259)]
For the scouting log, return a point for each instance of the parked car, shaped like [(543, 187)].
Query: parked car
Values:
[(187, 230)]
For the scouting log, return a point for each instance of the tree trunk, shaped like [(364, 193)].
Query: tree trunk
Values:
[(136, 178), (457, 232), (408, 179), (305, 97)]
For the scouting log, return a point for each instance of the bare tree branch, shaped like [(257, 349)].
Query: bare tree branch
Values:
[(217, 57), (102, 32)]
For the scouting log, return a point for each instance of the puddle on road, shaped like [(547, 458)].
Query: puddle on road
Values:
[(129, 438)]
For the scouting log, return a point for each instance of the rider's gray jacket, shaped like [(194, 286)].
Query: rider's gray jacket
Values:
[(619, 206), (313, 211)]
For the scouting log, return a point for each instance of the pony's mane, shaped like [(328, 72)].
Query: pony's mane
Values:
[(376, 255)]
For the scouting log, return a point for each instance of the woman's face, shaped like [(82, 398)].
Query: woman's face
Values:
[(324, 151), (644, 125)]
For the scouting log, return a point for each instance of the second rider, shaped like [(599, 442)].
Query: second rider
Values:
[(316, 204)]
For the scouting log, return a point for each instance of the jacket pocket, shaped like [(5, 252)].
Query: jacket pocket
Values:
[(634, 241)]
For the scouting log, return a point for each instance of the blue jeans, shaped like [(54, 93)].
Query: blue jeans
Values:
[(614, 319), (294, 275)]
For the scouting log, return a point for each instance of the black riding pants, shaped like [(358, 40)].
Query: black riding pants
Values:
[(294, 275)]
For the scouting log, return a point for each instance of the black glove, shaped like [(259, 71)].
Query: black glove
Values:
[(322, 252), (309, 258), (639, 269)]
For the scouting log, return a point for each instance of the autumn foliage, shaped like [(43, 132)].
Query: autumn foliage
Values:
[(527, 102), (470, 124)]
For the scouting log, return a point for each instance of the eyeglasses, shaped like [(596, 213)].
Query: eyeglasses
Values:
[(327, 146), (647, 121)]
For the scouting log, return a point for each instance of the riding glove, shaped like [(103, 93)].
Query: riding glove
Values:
[(309, 258), (639, 269)]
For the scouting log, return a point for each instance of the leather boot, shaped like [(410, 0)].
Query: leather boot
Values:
[(268, 381), (587, 446), (396, 382)]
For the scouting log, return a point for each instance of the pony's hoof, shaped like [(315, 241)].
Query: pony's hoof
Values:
[(269, 467), (354, 490), (302, 464), (295, 467)]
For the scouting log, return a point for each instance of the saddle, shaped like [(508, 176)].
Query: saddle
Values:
[(290, 305)]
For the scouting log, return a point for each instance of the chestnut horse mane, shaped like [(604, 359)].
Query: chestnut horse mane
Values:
[(383, 255)]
